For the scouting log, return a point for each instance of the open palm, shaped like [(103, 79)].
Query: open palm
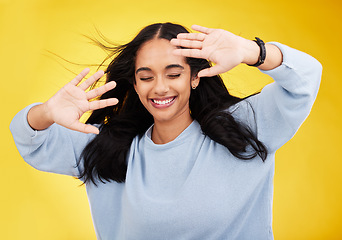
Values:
[(68, 105), (219, 46)]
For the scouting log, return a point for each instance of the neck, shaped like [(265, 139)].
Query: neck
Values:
[(164, 132)]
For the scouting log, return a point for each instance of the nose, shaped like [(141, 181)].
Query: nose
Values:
[(161, 86)]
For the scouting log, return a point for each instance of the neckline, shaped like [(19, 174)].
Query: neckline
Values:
[(180, 139)]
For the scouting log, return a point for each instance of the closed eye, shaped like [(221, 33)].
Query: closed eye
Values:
[(145, 78), (173, 75)]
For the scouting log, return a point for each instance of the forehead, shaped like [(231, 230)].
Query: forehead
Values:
[(157, 53)]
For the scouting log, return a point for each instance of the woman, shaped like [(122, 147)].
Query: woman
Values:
[(171, 154)]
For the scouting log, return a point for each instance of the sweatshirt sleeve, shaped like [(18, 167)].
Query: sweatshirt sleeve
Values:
[(55, 149), (281, 107)]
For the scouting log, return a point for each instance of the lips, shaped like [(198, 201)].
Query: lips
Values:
[(162, 102)]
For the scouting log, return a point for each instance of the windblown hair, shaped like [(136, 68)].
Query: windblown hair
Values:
[(105, 157)]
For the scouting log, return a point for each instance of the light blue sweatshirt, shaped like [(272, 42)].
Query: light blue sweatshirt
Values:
[(192, 187)]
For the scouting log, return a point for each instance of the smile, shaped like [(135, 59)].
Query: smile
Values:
[(161, 103)]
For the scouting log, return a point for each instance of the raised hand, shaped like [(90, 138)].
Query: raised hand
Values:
[(68, 105), (221, 47)]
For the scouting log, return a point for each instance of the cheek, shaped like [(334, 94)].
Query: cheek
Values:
[(142, 91), (139, 88), (183, 86), (143, 100)]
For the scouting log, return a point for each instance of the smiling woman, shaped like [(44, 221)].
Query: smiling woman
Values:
[(163, 86), (136, 112), (169, 157)]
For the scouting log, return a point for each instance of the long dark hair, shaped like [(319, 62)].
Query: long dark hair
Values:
[(104, 158)]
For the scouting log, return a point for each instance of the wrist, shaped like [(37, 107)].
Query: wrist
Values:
[(46, 114), (39, 117), (274, 57), (251, 52)]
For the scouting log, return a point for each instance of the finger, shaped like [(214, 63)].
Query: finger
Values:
[(212, 71), (87, 83), (102, 103), (192, 36), (187, 43), (201, 29), (100, 90), (194, 53), (85, 128), (80, 76)]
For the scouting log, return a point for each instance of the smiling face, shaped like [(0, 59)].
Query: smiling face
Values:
[(163, 81)]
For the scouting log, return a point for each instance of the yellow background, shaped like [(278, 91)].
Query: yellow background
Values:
[(38, 205)]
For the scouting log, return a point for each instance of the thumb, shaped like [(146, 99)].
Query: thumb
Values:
[(85, 128), (212, 71)]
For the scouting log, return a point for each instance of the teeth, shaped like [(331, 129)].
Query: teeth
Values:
[(162, 102)]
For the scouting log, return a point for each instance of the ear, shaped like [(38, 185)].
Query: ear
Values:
[(195, 81)]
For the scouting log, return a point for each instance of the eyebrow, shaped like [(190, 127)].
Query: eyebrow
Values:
[(174, 66), (167, 67)]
